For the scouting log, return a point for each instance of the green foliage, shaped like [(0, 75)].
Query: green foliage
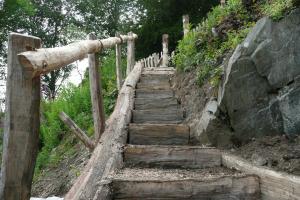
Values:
[(56, 139), (276, 8), (200, 48), (188, 50), (165, 16)]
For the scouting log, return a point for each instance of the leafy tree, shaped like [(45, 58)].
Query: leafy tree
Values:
[(165, 16)]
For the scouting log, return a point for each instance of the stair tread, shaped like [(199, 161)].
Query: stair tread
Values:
[(213, 183), (153, 86), (164, 134), (157, 116), (154, 94), (162, 175), (145, 103), (171, 156)]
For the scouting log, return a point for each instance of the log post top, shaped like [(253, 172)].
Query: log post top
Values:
[(44, 60)]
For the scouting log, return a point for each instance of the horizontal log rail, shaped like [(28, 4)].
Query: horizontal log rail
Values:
[(22, 120), (44, 60)]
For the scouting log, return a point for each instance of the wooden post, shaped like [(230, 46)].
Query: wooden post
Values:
[(80, 134), (118, 64), (22, 122), (223, 2), (165, 56), (186, 22), (130, 54), (96, 93)]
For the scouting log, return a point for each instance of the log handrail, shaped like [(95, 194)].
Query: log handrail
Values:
[(22, 118), (44, 60)]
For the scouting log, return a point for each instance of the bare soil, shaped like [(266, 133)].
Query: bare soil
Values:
[(57, 181), (278, 152)]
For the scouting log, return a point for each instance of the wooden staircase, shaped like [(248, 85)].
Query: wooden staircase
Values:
[(160, 163)]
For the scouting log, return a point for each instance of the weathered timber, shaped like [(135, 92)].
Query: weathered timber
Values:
[(165, 56), (179, 184), (158, 72), (274, 185), (159, 134), (158, 78), (80, 134), (96, 92), (41, 61), (118, 64), (146, 104), (160, 116), (154, 94), (130, 54), (186, 24), (92, 180), (187, 157), (154, 86), (160, 69), (22, 122)]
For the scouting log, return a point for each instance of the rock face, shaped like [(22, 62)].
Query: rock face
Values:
[(260, 92)]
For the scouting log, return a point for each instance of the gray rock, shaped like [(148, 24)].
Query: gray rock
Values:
[(258, 160), (260, 90)]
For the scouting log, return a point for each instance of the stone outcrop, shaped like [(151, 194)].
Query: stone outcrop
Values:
[(260, 92)]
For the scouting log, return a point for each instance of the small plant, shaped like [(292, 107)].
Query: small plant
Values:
[(203, 50), (276, 8)]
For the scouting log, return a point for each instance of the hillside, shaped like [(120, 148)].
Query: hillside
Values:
[(228, 102)]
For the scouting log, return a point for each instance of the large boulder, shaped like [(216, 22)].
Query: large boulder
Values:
[(260, 92)]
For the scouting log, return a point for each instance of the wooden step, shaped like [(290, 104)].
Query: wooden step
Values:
[(213, 184), (191, 157), (144, 104), (159, 134), (159, 70), (157, 116), (157, 80), (154, 86), (153, 94)]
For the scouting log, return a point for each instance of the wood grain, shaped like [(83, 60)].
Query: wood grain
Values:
[(274, 185), (22, 122), (96, 92), (159, 116), (80, 134), (244, 187), (107, 155), (164, 134), (144, 104), (154, 94), (188, 157)]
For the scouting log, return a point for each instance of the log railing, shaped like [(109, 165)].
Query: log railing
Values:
[(27, 61)]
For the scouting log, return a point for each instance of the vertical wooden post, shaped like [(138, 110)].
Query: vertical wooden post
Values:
[(22, 122), (118, 64), (165, 44), (223, 2), (96, 92), (130, 54), (186, 21)]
